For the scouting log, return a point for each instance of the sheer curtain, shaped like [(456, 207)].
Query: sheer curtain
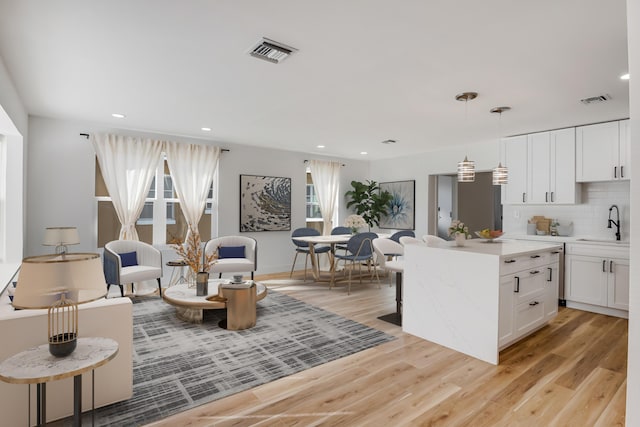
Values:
[(193, 168), (128, 165), (326, 180)]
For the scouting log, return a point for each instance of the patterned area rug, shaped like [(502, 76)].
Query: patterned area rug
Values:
[(178, 365)]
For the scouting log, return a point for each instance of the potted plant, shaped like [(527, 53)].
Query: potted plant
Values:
[(368, 201)]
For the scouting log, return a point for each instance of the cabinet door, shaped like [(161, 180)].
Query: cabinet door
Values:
[(505, 315), (596, 152), (551, 290), (618, 283), (625, 150), (563, 187), (586, 279), (539, 167), (528, 283), (514, 152)]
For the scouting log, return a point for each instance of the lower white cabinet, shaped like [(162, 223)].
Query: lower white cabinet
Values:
[(597, 276), (528, 297)]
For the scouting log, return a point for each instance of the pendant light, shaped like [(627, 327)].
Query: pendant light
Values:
[(466, 168), (500, 173)]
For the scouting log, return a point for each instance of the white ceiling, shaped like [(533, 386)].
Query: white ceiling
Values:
[(366, 70)]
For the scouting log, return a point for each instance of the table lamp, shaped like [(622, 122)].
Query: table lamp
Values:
[(60, 237), (59, 283)]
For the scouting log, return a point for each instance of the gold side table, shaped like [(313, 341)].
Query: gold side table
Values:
[(37, 366)]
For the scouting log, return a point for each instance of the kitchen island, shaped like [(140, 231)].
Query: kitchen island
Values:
[(482, 297)]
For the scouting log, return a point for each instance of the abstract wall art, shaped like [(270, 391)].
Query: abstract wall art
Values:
[(401, 213), (265, 203)]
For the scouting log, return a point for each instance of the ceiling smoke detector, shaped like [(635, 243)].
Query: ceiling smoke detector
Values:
[(595, 99), (271, 51)]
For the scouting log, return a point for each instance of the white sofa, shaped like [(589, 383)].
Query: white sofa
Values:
[(22, 329)]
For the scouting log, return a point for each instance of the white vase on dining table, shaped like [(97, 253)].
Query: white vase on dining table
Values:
[(460, 239)]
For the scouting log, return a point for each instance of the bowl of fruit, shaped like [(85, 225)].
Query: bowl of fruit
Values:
[(489, 235)]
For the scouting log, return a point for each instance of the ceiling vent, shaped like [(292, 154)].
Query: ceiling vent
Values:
[(271, 51), (595, 99), (389, 141)]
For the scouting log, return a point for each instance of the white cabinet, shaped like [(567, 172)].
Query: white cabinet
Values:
[(597, 276), (551, 166), (602, 152), (528, 295), (514, 152), (541, 168)]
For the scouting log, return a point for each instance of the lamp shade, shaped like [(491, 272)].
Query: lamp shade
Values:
[(466, 170), (54, 236), (43, 279)]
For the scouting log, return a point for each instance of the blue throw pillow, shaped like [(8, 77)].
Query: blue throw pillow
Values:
[(128, 259), (231, 252)]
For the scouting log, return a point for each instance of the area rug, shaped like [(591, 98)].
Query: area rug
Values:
[(177, 365)]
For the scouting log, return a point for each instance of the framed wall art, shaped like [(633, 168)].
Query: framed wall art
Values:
[(265, 203), (401, 214)]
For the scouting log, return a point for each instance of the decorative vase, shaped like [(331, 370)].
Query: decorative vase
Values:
[(202, 284), (460, 239)]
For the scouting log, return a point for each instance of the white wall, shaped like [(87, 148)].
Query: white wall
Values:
[(61, 186), (633, 369)]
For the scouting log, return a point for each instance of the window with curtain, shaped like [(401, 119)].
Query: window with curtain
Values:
[(161, 220), (313, 213)]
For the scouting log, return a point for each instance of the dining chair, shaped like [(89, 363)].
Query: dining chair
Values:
[(398, 234), (341, 230), (408, 240), (303, 247), (359, 250), (430, 239)]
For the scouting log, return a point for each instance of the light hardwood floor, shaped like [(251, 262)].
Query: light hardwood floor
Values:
[(572, 372)]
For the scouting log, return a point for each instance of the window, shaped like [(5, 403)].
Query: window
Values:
[(161, 220)]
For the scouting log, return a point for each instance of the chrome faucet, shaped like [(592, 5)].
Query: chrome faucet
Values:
[(616, 223)]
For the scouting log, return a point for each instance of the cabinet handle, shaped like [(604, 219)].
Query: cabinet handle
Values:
[(611, 266), (517, 289), (534, 256), (555, 252), (621, 171), (534, 303), (615, 171), (604, 265), (546, 196), (523, 197), (534, 272), (509, 261), (550, 274), (552, 197)]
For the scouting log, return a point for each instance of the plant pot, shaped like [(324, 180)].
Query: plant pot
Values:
[(460, 239)]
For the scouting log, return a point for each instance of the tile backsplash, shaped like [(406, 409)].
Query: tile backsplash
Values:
[(589, 218)]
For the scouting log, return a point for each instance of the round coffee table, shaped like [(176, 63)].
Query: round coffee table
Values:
[(190, 307)]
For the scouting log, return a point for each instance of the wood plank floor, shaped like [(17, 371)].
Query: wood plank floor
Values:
[(572, 372)]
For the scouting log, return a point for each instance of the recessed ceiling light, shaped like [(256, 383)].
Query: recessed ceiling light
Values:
[(363, 152), (118, 115), (624, 77), (389, 141), (319, 146), (206, 129)]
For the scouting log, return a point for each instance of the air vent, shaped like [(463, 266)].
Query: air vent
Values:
[(271, 51), (595, 99), (389, 141)]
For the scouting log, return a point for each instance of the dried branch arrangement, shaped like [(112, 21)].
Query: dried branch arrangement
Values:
[(191, 253)]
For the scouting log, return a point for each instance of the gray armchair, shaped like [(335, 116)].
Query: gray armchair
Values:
[(130, 261)]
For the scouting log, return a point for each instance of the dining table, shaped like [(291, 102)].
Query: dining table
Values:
[(332, 241)]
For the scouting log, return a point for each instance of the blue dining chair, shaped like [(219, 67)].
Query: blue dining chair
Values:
[(303, 247), (341, 230), (359, 250)]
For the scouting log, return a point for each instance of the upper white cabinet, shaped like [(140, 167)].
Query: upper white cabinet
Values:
[(551, 166), (541, 168), (602, 152), (514, 151)]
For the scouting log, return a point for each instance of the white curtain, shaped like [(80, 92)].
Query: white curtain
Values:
[(128, 165), (192, 167), (326, 180)]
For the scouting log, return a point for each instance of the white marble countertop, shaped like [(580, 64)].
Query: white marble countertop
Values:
[(587, 240), (37, 365), (499, 247)]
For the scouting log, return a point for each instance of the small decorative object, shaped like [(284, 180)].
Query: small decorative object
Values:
[(460, 239), (458, 227), (237, 278), (354, 222), (202, 283), (191, 253), (489, 235)]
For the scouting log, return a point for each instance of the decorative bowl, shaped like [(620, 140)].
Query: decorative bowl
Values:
[(489, 235)]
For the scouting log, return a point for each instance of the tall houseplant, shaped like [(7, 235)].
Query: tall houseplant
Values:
[(368, 201)]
